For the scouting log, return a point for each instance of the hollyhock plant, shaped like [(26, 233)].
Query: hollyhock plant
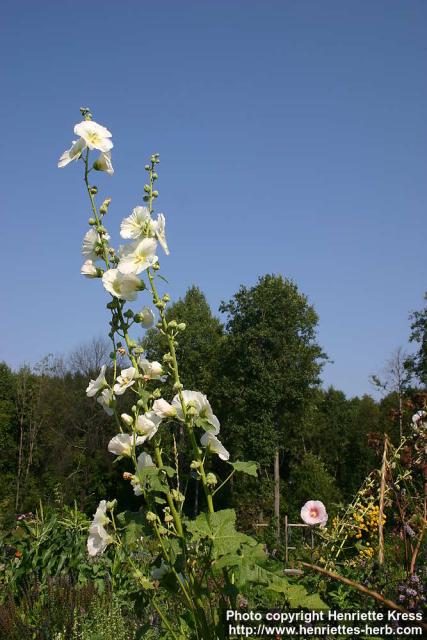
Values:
[(188, 548), (314, 512)]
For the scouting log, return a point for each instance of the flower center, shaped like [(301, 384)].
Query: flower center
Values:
[(93, 137), (314, 513)]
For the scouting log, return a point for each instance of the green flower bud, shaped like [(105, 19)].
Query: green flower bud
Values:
[(156, 394), (128, 313), (127, 419), (177, 386), (211, 479), (86, 114), (156, 266), (147, 167), (177, 496), (141, 285), (140, 403), (104, 206), (151, 517), (182, 326), (155, 176), (155, 194), (167, 358), (166, 297), (196, 464), (147, 188), (172, 324), (160, 304), (112, 505), (91, 221), (93, 190)]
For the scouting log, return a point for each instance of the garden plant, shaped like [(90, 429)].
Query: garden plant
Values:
[(204, 564)]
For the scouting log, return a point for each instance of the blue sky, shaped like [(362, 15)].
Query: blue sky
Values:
[(292, 138)]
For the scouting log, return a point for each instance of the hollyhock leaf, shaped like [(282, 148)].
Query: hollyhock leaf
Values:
[(250, 467)]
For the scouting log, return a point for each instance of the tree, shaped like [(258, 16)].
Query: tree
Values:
[(199, 345), (270, 364), (88, 358), (395, 379), (417, 364)]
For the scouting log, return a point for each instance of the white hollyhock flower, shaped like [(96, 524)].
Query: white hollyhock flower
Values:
[(420, 415), (100, 517), (202, 406), (90, 243), (152, 370), (89, 270), (163, 409), (73, 153), (147, 317), (210, 441), (98, 538), (314, 512), (95, 135), (147, 425), (98, 384), (103, 163), (159, 228), (125, 380), (106, 399), (142, 256), (135, 225), (144, 460), (121, 286), (122, 444)]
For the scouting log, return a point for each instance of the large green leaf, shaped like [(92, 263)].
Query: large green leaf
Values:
[(297, 596), (135, 526), (219, 528), (250, 467)]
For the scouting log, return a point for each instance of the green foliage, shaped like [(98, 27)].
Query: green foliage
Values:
[(199, 345), (52, 544), (417, 364), (311, 478), (271, 361)]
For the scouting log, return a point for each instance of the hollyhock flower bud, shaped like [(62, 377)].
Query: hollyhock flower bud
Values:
[(211, 479)]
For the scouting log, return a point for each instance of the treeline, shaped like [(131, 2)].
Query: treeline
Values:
[(261, 370)]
